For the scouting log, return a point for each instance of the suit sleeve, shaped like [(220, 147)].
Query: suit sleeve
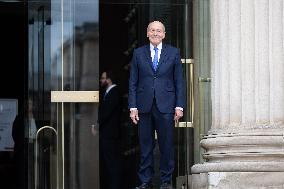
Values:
[(133, 80), (179, 82)]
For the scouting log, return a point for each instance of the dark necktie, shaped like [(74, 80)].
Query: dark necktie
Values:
[(155, 59)]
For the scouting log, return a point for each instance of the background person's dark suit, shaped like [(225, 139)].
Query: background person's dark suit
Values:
[(20, 144), (156, 94), (23, 149), (109, 134)]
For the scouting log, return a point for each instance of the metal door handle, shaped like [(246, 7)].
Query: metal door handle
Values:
[(36, 153)]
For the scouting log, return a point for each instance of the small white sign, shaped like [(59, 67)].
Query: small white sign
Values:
[(8, 112)]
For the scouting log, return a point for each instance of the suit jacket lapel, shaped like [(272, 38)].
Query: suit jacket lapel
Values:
[(163, 56), (148, 56)]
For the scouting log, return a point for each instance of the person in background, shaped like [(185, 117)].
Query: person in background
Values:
[(24, 133), (109, 132)]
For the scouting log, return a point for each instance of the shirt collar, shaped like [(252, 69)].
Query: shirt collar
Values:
[(110, 87), (158, 46)]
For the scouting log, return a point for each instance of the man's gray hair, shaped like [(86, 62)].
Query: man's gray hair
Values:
[(156, 22)]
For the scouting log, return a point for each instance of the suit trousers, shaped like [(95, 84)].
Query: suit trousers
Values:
[(163, 124), (110, 162)]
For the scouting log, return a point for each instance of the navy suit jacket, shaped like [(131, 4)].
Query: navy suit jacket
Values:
[(166, 84)]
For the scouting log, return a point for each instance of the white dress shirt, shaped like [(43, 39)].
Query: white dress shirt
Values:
[(109, 88)]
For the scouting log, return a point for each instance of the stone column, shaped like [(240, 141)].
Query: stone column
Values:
[(245, 145)]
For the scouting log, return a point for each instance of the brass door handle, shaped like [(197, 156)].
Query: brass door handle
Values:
[(184, 124)]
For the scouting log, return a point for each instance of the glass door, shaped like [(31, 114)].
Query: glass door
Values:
[(63, 82)]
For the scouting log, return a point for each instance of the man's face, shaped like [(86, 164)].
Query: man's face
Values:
[(103, 79), (156, 33)]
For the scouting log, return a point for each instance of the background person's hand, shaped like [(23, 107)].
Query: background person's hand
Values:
[(94, 130), (134, 116), (178, 114)]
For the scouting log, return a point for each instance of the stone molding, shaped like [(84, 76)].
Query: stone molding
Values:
[(238, 167), (254, 150)]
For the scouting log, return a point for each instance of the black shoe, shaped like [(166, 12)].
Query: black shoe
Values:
[(145, 186), (166, 186)]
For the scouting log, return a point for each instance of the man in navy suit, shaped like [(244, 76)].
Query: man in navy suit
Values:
[(156, 99)]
